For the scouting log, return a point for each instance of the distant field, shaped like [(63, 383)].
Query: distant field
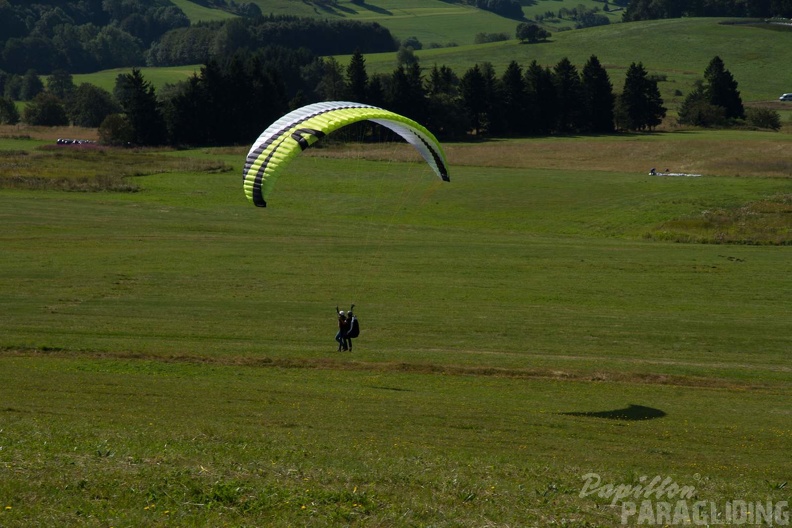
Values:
[(755, 56), (435, 22), (158, 77), (432, 21), (199, 13)]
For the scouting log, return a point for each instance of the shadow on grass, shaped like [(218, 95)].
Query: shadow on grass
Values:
[(382, 387), (631, 413), (378, 10)]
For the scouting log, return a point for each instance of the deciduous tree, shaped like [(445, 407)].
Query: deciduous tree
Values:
[(9, 115), (531, 32), (89, 105), (45, 110), (60, 83)]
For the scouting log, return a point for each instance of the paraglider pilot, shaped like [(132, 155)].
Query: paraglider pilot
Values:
[(353, 328), (344, 343)]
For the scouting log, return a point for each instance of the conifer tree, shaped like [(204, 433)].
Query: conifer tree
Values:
[(514, 99), (599, 98), (569, 97), (474, 98), (406, 94), (639, 105), (720, 89), (493, 97), (357, 78), (331, 86), (442, 80), (541, 96), (139, 101)]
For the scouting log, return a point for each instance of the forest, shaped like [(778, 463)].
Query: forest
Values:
[(92, 35), (227, 103), (654, 9)]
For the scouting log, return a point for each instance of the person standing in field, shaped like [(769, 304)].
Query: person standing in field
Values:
[(343, 327), (353, 327)]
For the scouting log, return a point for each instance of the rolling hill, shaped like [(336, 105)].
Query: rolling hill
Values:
[(756, 55), (431, 21)]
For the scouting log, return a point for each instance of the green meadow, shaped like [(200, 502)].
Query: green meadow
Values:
[(199, 13), (677, 50), (552, 313), (432, 21)]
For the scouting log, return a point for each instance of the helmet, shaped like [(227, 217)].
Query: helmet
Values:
[(341, 314)]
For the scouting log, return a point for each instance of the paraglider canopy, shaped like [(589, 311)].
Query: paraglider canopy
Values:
[(301, 128)]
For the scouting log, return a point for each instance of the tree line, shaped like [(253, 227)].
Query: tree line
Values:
[(81, 36), (220, 40), (230, 102), (654, 9)]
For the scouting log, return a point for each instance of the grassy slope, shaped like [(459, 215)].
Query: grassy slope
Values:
[(199, 13), (492, 306), (156, 76), (520, 216), (431, 21), (680, 49), (528, 292), (140, 443)]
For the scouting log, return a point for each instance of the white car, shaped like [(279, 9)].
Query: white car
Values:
[(786, 97)]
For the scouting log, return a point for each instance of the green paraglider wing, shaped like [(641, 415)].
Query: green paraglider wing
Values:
[(298, 130)]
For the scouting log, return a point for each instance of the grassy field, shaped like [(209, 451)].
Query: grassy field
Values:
[(158, 77), (432, 21), (436, 22), (679, 49), (198, 13), (168, 357)]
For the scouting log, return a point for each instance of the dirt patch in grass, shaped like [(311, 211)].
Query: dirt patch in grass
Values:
[(342, 364)]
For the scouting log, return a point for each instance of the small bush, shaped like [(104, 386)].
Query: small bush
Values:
[(763, 118), (9, 115), (698, 112), (115, 130), (45, 110), (483, 38)]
